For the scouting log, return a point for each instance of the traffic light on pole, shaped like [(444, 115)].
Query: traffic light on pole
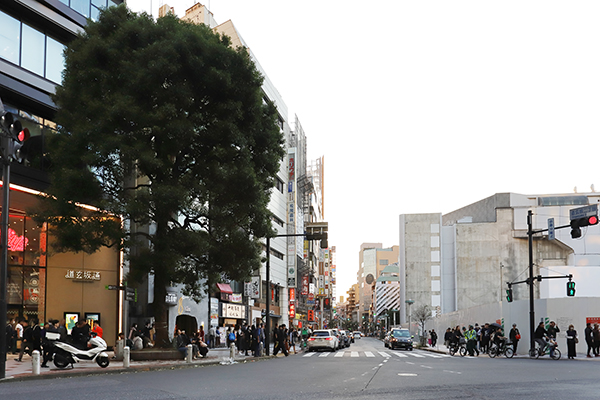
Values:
[(570, 288), (509, 295), (318, 236), (17, 135), (576, 225)]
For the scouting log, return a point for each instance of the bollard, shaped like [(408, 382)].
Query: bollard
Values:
[(126, 356), (119, 349), (190, 354), (35, 362), (232, 351)]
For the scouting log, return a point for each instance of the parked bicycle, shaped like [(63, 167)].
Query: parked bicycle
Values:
[(458, 347), (505, 348), (538, 351)]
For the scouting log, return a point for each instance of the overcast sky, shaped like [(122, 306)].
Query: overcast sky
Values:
[(428, 106)]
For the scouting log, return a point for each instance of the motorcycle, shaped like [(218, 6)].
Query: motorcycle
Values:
[(65, 354)]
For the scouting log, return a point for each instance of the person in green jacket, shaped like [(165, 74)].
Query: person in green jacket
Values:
[(471, 337)]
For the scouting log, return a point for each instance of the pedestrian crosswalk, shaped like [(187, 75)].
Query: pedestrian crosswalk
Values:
[(373, 354)]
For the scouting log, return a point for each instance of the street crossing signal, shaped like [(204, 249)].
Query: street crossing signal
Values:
[(17, 135), (509, 295), (570, 288), (576, 225)]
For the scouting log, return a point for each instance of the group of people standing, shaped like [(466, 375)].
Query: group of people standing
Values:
[(592, 339), (479, 338), (24, 336), (247, 338)]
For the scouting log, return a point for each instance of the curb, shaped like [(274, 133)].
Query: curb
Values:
[(58, 374)]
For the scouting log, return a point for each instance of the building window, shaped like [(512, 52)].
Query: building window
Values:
[(10, 38), (435, 270), (384, 262), (278, 221), (279, 184), (277, 254), (435, 256), (436, 300), (435, 228), (435, 286), (31, 49), (435, 241)]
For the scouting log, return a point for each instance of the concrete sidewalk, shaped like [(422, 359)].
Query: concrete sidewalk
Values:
[(580, 356), (24, 370)]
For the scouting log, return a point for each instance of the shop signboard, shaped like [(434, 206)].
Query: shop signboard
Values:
[(304, 285), (292, 311), (235, 297), (214, 311), (233, 311), (252, 288)]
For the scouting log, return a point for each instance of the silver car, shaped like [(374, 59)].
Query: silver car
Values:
[(323, 339)]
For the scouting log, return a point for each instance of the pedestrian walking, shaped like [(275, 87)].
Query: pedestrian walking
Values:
[(596, 332), (514, 336), (19, 330), (211, 337), (434, 338), (589, 338), (572, 341), (471, 341), (293, 339), (26, 341), (448, 337)]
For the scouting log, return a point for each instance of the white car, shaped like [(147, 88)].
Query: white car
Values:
[(323, 339), (357, 335)]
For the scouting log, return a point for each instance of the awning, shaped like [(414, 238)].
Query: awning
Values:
[(224, 288)]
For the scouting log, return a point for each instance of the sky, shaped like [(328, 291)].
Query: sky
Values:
[(428, 106)]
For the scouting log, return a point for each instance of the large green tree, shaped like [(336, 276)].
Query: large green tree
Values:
[(165, 125)]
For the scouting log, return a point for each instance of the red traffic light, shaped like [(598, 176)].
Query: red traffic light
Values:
[(23, 135), (593, 220)]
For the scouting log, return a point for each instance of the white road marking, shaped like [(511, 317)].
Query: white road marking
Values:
[(369, 354), (309, 354), (453, 372), (416, 355), (324, 355), (401, 374), (426, 366), (410, 363), (384, 354), (340, 354), (354, 354), (400, 354)]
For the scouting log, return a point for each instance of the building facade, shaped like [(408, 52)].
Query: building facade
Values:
[(43, 284)]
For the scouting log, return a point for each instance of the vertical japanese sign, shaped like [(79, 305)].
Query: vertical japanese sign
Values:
[(292, 275)]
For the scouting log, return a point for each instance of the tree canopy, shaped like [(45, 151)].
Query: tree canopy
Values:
[(164, 124)]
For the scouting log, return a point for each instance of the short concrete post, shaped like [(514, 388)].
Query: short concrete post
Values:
[(232, 351), (119, 349), (190, 354), (126, 356), (35, 362)]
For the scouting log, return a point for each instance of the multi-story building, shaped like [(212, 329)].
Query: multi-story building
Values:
[(372, 260), (33, 35), (485, 245), (387, 295)]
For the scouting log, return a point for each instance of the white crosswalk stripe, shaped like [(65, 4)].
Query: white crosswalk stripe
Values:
[(388, 354)]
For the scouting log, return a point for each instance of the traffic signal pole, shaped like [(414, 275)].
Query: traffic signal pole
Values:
[(268, 279), (530, 281)]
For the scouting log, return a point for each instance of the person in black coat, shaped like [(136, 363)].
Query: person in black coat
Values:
[(589, 338), (513, 336), (571, 342)]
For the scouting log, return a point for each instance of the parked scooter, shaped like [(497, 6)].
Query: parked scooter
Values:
[(66, 354)]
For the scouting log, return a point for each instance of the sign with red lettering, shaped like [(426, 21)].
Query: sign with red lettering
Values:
[(304, 285), (292, 311), (311, 316), (292, 295)]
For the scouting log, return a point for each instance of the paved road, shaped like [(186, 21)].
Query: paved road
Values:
[(364, 371)]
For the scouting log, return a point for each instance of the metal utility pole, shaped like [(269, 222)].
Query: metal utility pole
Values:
[(530, 281)]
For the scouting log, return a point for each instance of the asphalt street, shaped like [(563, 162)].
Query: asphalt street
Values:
[(366, 370)]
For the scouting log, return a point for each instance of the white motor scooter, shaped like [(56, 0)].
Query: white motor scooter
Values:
[(66, 354)]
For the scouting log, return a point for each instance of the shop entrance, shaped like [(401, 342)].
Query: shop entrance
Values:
[(186, 323)]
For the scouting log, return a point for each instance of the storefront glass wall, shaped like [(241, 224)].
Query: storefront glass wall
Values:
[(26, 285)]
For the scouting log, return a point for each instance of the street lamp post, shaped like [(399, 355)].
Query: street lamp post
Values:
[(409, 302)]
